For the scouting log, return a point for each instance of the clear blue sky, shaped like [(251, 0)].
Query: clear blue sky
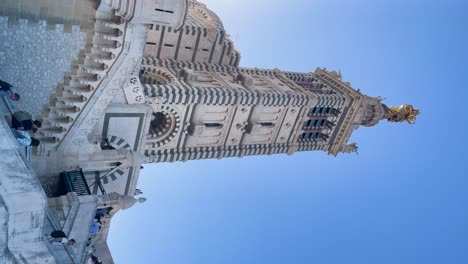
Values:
[(403, 199)]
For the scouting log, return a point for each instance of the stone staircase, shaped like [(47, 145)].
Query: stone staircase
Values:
[(79, 86)]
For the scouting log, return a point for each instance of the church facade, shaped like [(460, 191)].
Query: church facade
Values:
[(166, 86), (160, 81)]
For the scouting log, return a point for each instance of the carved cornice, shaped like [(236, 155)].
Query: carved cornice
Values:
[(347, 126)]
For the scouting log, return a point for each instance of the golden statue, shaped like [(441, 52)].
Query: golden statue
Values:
[(402, 113)]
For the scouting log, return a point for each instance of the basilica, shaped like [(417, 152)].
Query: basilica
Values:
[(151, 81)]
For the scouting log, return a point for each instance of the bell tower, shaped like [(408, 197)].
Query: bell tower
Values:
[(206, 106), (175, 83), (160, 81), (203, 111)]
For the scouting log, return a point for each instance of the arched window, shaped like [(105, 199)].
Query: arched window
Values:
[(160, 124), (164, 126), (152, 78), (154, 75), (323, 111)]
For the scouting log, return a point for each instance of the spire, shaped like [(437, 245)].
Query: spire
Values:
[(374, 111)]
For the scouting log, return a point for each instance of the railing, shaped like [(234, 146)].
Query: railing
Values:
[(101, 187), (75, 181), (10, 108), (62, 254)]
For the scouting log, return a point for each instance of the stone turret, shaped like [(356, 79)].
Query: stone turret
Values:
[(374, 111), (119, 202)]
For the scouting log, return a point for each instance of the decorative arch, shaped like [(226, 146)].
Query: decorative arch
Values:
[(200, 78), (157, 76), (113, 176), (164, 126), (116, 143)]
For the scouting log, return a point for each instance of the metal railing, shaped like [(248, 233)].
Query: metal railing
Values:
[(62, 254), (75, 181)]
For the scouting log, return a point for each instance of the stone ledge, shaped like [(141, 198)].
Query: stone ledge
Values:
[(23, 205)]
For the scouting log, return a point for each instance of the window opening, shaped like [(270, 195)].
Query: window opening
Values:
[(215, 125), (165, 11), (266, 124)]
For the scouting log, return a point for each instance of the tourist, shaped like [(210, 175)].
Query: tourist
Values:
[(102, 219), (22, 120), (7, 91), (94, 227), (58, 238), (103, 212), (95, 260), (24, 138)]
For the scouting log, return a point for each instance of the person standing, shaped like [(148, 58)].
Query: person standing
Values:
[(6, 90), (24, 138), (22, 120), (58, 238)]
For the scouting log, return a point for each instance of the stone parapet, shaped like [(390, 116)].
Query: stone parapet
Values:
[(23, 206), (75, 214)]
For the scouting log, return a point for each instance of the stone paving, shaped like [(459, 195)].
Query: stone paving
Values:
[(51, 185), (34, 59)]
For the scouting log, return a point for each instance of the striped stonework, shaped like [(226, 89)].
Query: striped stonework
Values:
[(118, 143), (265, 111), (171, 128), (170, 155), (201, 39)]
